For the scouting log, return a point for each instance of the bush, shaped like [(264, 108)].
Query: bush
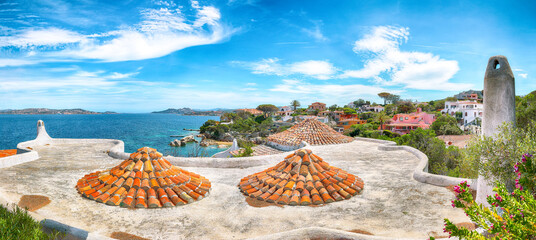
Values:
[(495, 157), (441, 160), (446, 125), (20, 225), (513, 215), (246, 148)]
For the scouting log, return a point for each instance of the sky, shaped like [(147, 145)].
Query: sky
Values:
[(143, 56)]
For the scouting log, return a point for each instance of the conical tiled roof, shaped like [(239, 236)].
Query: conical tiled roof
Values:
[(302, 178), (311, 131), (144, 180)]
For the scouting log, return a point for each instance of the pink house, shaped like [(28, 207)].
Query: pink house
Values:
[(403, 123)]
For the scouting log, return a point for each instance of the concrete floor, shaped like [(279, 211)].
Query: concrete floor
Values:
[(392, 203)]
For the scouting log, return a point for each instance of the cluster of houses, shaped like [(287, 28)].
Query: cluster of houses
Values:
[(468, 109)]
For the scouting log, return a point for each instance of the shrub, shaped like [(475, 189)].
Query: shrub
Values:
[(513, 215), (495, 157), (441, 160), (20, 225), (446, 125)]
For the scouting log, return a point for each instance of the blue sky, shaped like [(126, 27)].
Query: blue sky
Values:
[(134, 56)]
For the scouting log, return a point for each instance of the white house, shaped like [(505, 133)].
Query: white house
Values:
[(470, 110)]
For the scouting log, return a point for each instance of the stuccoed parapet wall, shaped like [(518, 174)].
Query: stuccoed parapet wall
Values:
[(421, 173), (227, 153), (499, 107), (285, 148)]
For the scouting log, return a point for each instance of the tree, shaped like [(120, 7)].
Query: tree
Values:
[(446, 125), (381, 118), (405, 106), (295, 104), (393, 99), (526, 109), (360, 102), (267, 109), (384, 96), (349, 111), (333, 107)]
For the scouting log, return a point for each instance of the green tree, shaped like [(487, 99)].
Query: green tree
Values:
[(333, 107), (446, 125), (348, 110), (384, 96), (405, 106), (295, 104), (526, 109), (267, 109), (381, 118), (393, 99)]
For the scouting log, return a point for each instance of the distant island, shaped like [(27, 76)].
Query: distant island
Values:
[(37, 111), (189, 111)]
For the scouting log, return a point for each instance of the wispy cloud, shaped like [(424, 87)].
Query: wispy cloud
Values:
[(272, 66), (415, 70), (327, 91), (7, 62), (162, 31), (315, 32), (523, 75)]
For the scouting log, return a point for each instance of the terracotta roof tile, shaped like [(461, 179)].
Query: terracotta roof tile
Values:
[(144, 180), (312, 131), (314, 182)]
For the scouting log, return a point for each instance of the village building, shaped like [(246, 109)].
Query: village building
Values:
[(253, 111), (317, 106), (368, 108), (469, 95), (347, 120), (403, 123), (472, 111)]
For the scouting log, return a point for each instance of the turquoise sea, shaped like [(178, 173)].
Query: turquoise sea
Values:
[(136, 130)]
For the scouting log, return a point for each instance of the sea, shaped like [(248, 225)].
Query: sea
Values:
[(136, 130)]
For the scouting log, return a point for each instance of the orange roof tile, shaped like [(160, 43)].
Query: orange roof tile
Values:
[(144, 180), (312, 131), (8, 152), (303, 178)]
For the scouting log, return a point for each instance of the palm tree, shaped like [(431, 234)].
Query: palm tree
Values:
[(295, 104), (381, 117)]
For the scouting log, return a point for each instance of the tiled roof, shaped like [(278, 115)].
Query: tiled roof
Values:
[(312, 131), (8, 152), (144, 180), (303, 178)]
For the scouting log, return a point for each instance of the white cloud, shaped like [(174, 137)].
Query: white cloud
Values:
[(328, 92), (315, 32), (271, 66), (523, 75), (415, 70), (41, 37), (251, 84), (8, 62), (116, 75), (161, 32)]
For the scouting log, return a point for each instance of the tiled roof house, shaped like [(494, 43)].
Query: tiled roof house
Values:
[(311, 131), (302, 178), (403, 123), (145, 180), (317, 106), (253, 111)]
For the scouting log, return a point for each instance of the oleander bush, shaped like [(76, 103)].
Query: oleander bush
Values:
[(18, 224), (512, 215)]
